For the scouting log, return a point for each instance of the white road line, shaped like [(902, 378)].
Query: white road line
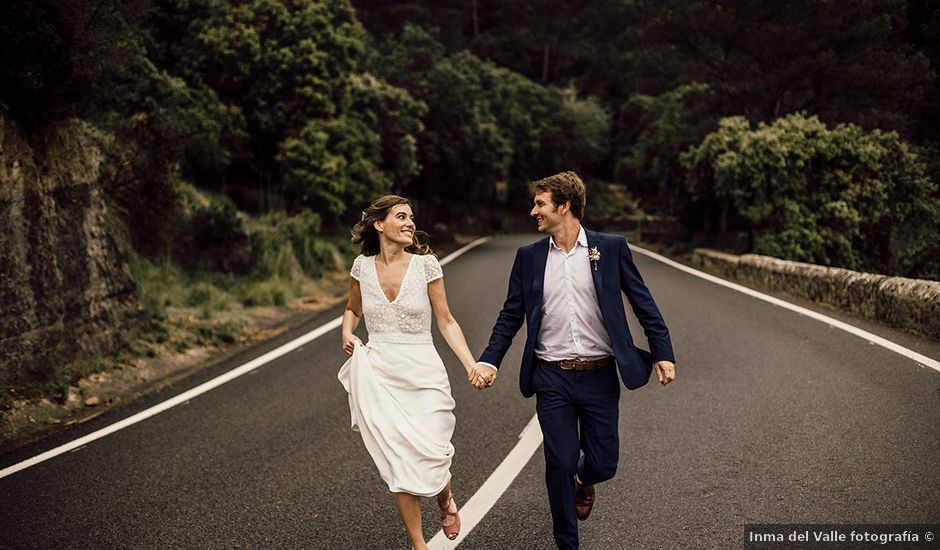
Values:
[(483, 500), (475, 509), (486, 496), (202, 388), (873, 338)]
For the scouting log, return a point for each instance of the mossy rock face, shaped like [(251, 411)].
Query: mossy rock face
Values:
[(65, 287)]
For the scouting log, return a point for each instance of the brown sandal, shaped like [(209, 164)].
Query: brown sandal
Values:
[(450, 531)]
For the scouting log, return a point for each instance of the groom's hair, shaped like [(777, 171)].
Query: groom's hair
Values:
[(564, 187)]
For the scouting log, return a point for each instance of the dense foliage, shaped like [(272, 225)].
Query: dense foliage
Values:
[(486, 125), (313, 107), (833, 196)]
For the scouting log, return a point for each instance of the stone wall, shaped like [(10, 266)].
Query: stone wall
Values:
[(910, 304), (65, 287)]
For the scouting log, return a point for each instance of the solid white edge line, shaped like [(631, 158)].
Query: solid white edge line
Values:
[(204, 387), (484, 499), (486, 496), (851, 329)]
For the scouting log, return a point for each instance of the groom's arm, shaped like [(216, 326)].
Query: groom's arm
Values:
[(510, 318), (644, 307)]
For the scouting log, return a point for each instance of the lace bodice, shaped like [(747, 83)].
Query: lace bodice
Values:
[(407, 318)]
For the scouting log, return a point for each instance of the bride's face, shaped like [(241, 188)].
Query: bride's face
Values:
[(398, 226)]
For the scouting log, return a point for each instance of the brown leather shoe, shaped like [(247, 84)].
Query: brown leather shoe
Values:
[(583, 500)]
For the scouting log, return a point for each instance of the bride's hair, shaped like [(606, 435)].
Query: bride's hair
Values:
[(364, 232)]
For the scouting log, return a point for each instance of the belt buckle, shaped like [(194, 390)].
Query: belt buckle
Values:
[(567, 364)]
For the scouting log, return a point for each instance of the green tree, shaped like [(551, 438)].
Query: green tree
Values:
[(62, 57), (397, 117), (332, 165), (654, 130), (836, 196), (156, 125), (462, 146), (276, 65), (337, 165), (845, 60), (486, 125), (923, 34), (68, 59)]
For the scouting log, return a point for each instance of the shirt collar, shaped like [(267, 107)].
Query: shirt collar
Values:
[(582, 240)]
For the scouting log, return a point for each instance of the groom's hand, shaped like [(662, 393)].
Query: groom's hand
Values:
[(665, 372), (482, 376), (488, 374), (477, 376)]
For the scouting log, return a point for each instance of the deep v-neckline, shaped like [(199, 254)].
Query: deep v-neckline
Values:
[(401, 285)]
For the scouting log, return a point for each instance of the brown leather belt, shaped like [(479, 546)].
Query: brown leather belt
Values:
[(583, 365)]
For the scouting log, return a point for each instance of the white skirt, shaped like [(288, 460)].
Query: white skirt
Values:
[(400, 402)]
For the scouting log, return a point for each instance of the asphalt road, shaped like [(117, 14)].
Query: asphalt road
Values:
[(774, 418)]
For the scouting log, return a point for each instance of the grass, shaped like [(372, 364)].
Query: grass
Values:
[(44, 374), (220, 332), (268, 292), (199, 307)]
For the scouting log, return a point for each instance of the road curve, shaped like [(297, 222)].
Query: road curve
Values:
[(774, 418)]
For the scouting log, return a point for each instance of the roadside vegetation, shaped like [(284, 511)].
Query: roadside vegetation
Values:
[(243, 137), (229, 270)]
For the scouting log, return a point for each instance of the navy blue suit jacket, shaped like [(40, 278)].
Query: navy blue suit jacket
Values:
[(615, 273)]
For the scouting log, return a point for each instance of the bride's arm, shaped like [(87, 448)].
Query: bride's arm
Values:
[(351, 317), (448, 325)]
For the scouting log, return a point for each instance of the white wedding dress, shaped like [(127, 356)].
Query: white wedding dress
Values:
[(399, 394)]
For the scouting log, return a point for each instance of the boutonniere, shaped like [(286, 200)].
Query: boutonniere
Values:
[(594, 255)]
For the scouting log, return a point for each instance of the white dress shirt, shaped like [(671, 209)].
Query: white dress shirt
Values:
[(572, 324)]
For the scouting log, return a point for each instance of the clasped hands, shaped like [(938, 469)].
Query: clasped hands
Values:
[(481, 376)]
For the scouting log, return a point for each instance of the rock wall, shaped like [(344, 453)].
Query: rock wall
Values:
[(911, 304), (65, 287)]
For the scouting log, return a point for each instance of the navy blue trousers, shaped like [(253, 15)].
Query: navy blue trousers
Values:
[(578, 412)]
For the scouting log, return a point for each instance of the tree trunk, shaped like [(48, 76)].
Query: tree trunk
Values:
[(476, 18), (545, 54), (723, 227)]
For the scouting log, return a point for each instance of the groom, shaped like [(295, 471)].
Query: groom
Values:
[(567, 288)]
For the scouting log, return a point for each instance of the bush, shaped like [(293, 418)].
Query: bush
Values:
[(270, 292), (208, 298), (224, 332), (45, 374), (609, 206), (841, 196), (289, 247), (214, 235), (158, 285), (273, 255)]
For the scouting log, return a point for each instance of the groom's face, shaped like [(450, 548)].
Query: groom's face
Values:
[(545, 212)]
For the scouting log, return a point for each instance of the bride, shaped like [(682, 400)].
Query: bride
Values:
[(399, 393)]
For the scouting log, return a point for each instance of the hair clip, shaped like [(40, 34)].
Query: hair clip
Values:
[(363, 218)]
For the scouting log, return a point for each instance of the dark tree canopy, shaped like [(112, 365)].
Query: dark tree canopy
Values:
[(317, 106)]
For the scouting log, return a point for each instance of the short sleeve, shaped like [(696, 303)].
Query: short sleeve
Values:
[(356, 267), (432, 268)]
